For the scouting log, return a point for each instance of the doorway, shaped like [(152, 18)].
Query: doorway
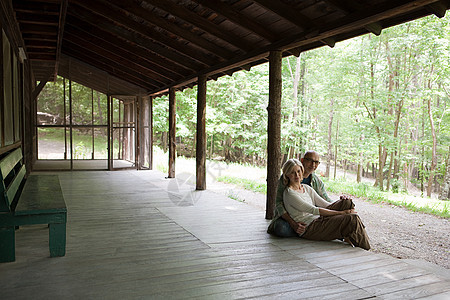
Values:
[(78, 128)]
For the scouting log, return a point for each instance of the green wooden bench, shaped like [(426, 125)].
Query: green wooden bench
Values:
[(37, 199)]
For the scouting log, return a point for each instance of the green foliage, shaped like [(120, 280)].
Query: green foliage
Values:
[(360, 190), (248, 184)]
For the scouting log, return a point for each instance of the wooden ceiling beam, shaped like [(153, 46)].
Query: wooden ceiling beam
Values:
[(286, 12), (61, 23), (122, 62), (154, 61), (329, 42), (112, 68), (37, 19), (41, 44), (203, 24), (238, 18), (295, 51), (375, 28), (110, 53), (132, 36), (438, 8), (41, 56), (353, 6), (345, 5), (133, 8), (36, 7), (39, 29), (178, 45), (37, 37)]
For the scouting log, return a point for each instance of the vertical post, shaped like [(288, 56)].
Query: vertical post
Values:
[(2, 94), (172, 124), (92, 123), (65, 118), (201, 134), (110, 132), (71, 124), (137, 131), (273, 131), (150, 133)]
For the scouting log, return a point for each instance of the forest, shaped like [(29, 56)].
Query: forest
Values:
[(376, 105)]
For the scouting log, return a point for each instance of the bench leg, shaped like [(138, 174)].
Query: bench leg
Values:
[(57, 239), (7, 244)]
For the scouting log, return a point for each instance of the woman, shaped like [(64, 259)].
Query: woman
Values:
[(324, 221)]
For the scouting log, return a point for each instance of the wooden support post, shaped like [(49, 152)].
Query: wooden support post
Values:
[(150, 133), (2, 95), (273, 131), (172, 125), (201, 134)]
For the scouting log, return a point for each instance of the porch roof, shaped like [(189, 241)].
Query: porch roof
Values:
[(148, 46)]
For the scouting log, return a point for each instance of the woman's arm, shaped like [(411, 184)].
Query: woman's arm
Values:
[(329, 212), (317, 200)]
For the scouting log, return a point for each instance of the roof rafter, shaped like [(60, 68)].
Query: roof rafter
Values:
[(121, 60), (182, 33), (61, 23), (98, 61), (200, 22), (138, 56), (136, 37), (239, 19), (286, 12)]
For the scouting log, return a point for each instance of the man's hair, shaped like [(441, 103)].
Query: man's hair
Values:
[(287, 169), (310, 152)]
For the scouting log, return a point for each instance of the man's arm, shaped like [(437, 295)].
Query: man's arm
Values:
[(319, 187), (299, 228)]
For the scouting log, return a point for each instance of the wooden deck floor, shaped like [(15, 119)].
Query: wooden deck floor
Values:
[(136, 235)]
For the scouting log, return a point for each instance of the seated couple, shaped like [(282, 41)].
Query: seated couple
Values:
[(303, 207)]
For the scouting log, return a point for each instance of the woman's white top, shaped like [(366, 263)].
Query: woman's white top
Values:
[(303, 207)]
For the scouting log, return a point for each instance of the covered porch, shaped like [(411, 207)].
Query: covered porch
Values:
[(136, 235)]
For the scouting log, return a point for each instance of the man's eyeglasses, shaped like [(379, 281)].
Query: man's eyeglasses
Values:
[(312, 160)]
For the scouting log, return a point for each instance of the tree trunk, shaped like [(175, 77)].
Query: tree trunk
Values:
[(433, 155), (297, 77), (382, 155), (388, 179), (330, 127), (336, 149), (164, 141), (445, 191)]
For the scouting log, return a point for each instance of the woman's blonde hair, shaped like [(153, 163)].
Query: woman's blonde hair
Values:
[(287, 169)]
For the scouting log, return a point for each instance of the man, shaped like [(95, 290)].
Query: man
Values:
[(282, 224)]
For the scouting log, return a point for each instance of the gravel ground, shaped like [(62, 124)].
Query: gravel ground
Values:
[(392, 230), (405, 234)]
